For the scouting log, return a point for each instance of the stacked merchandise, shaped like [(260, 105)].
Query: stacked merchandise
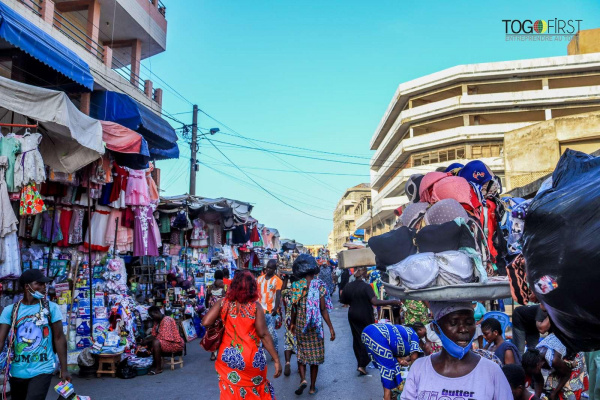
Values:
[(449, 234)]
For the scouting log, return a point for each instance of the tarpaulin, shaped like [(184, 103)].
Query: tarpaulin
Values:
[(122, 109), (71, 141), (21, 33), (123, 140)]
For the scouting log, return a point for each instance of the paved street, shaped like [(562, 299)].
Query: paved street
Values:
[(197, 380)]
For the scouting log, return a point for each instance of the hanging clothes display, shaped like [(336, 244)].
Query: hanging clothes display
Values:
[(9, 147), (76, 226), (31, 201), (98, 226), (136, 193), (117, 195), (144, 243), (29, 166), (152, 189), (66, 214), (9, 249)]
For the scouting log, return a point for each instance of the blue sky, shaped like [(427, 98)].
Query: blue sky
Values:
[(316, 74)]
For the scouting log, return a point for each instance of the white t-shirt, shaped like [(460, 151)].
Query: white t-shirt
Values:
[(485, 382)]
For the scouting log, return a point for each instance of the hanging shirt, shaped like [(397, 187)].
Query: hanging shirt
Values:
[(33, 349), (268, 290)]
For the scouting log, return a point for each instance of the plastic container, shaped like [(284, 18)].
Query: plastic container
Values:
[(142, 371)]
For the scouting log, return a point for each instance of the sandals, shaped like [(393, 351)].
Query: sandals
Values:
[(287, 369), (361, 373), (313, 393), (153, 372), (301, 388), (213, 357)]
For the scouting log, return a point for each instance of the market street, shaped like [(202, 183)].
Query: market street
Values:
[(337, 377)]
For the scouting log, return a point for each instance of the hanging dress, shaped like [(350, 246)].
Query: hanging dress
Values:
[(117, 195), (144, 240), (9, 147), (29, 165), (66, 215), (98, 227), (9, 245), (31, 202), (76, 226), (137, 193), (152, 189)]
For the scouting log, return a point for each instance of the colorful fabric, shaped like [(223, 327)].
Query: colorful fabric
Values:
[(309, 339), (267, 289), (31, 201), (241, 361), (271, 321), (326, 275), (487, 354), (314, 319), (578, 381), (416, 311), (386, 342), (290, 340), (168, 335)]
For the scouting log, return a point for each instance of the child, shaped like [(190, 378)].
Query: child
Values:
[(515, 374)]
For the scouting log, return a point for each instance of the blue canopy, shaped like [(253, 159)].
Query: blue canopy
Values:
[(120, 108), (21, 33)]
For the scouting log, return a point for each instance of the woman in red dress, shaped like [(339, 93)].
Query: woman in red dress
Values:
[(242, 361)]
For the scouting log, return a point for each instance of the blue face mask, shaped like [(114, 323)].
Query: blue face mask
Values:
[(452, 348), (36, 295)]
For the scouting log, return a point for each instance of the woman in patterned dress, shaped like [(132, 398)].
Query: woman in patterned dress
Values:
[(310, 302), (241, 361)]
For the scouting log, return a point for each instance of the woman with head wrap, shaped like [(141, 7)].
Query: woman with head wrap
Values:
[(455, 372), (310, 304)]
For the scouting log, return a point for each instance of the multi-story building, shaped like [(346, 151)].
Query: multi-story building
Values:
[(93, 51), (463, 112), (111, 36), (343, 216)]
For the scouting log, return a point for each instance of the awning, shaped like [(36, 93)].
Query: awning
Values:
[(120, 108), (123, 140), (71, 141), (21, 33)]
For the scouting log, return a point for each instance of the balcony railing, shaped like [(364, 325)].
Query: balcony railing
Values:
[(78, 36), (160, 6), (33, 5)]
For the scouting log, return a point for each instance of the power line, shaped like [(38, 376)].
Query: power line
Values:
[(302, 148), (263, 188)]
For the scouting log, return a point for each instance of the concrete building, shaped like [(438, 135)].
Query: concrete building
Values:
[(111, 36), (463, 113), (550, 139), (343, 216)]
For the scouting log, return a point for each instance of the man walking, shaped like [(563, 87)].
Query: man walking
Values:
[(34, 330), (269, 288)]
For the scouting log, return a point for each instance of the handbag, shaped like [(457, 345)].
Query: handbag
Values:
[(214, 336)]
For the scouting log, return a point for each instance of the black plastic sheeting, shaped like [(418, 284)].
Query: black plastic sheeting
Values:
[(562, 250)]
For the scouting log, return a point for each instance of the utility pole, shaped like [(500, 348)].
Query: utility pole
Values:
[(194, 150)]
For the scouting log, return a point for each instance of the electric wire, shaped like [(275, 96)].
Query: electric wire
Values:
[(264, 189)]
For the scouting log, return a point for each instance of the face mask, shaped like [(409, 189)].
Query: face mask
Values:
[(36, 295), (452, 348)]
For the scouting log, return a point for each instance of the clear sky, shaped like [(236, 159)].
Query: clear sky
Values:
[(317, 74)]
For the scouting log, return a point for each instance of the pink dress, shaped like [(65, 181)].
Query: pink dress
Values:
[(137, 193)]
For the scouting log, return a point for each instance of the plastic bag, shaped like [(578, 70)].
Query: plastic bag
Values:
[(304, 265), (562, 250)]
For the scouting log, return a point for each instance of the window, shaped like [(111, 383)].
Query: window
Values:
[(487, 150), (439, 156)]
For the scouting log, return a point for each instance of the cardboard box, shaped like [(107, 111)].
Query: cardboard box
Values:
[(356, 258)]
